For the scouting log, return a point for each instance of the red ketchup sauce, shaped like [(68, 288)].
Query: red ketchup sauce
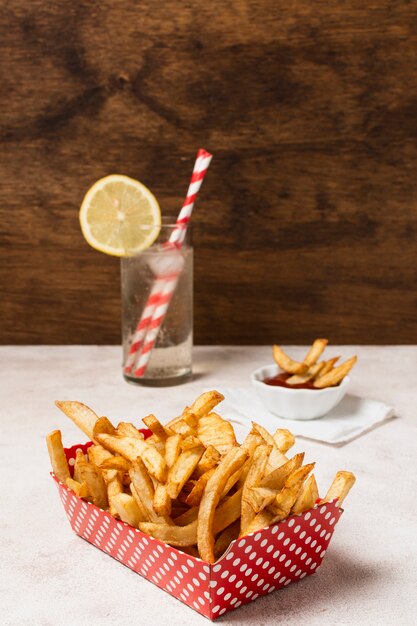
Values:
[(280, 381)]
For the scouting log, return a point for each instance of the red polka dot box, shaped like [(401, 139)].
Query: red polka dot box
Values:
[(252, 567)]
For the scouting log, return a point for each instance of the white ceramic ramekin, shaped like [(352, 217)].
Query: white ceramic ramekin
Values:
[(296, 404)]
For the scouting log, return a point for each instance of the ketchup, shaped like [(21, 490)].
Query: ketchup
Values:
[(280, 381)]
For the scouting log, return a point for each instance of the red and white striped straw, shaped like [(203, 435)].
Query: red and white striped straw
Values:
[(164, 287), (154, 327), (200, 168), (142, 327)]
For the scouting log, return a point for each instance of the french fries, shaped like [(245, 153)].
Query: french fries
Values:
[(286, 363), (307, 497), (340, 487), (254, 477), (186, 535), (195, 495), (57, 456), (115, 462), (162, 502), (335, 375), (276, 479), (286, 498), (258, 498), (301, 379), (156, 427), (132, 448), (205, 403), (315, 351), (280, 508), (284, 439), (103, 425), (80, 414), (127, 509), (80, 489), (191, 484), (225, 538), (311, 372), (128, 430), (182, 469), (229, 464), (99, 455), (210, 459), (214, 430), (172, 449), (143, 490), (91, 475)]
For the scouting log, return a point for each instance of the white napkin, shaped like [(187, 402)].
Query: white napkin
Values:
[(352, 417)]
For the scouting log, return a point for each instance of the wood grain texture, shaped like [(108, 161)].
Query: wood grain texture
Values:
[(307, 221)]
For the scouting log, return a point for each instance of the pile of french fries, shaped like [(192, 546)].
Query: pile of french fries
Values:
[(190, 484), (320, 374)]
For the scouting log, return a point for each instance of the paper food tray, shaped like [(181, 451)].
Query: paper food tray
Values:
[(252, 567)]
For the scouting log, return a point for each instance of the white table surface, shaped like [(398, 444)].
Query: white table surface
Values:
[(49, 576)]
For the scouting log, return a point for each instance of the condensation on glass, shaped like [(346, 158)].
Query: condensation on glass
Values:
[(169, 362)]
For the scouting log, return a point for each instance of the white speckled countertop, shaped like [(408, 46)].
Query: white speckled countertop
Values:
[(50, 577)]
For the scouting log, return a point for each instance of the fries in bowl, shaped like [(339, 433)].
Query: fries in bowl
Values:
[(309, 373)]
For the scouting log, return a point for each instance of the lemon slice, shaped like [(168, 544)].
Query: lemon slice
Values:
[(120, 216)]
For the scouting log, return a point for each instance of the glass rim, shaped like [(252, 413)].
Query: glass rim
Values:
[(168, 221)]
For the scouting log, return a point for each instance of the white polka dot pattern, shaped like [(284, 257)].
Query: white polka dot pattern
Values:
[(271, 559), (254, 566)]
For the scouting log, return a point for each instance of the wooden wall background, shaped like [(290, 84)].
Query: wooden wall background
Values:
[(307, 222)]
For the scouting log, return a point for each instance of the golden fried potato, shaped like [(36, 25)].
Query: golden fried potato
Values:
[(225, 514), (284, 440), (205, 403), (132, 448), (227, 466), (286, 498), (115, 462), (253, 479), (276, 479), (307, 497), (195, 495), (103, 425), (286, 363), (301, 379), (172, 449), (328, 365), (80, 489), (225, 538), (127, 509), (276, 458), (126, 429), (80, 414), (182, 469), (190, 484), (112, 477), (91, 475), (336, 375), (210, 459), (214, 431), (143, 491), (162, 502), (155, 427), (315, 351), (259, 498), (57, 456), (340, 487)]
